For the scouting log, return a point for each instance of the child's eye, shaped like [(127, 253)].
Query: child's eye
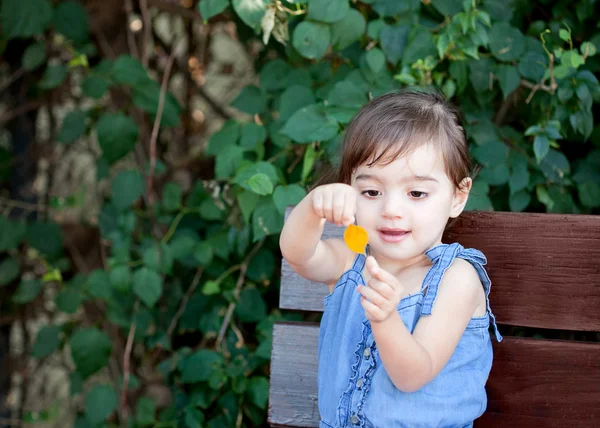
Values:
[(418, 195), (371, 193)]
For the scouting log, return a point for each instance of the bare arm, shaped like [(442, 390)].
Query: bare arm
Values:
[(300, 241)]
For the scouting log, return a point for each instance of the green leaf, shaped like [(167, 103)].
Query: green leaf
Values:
[(127, 187), (252, 135), (193, 417), (73, 127), (250, 100), (146, 95), (310, 156), (274, 74), (53, 76), (11, 233), (209, 210), (519, 201), (544, 197), (509, 79), (100, 402), (572, 59), (374, 28), (34, 56), (519, 179), (99, 284), (250, 11), (10, 270), (310, 124), (144, 411), (159, 258), (247, 202), (27, 291), (349, 30), (496, 175), (311, 39), (564, 35), (480, 71), (117, 135), (533, 65), (420, 46), (95, 86), (294, 98), (244, 175), (251, 307), (69, 301), (345, 94), (258, 390), (46, 237), (460, 73), (172, 196), (589, 194), (392, 8), (555, 166), (227, 136), (228, 161), (588, 49), (285, 196), (266, 219), (120, 278), (203, 253), (46, 341), (128, 71), (375, 60), (449, 88), (198, 366), (24, 18), (582, 122), (260, 184), (147, 285), (499, 10), (393, 41), (71, 20), (90, 350), (327, 10), (448, 7), (478, 197), (261, 267), (210, 288), (491, 153), (506, 43), (210, 8)]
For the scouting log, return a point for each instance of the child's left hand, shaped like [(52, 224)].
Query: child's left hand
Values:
[(383, 294)]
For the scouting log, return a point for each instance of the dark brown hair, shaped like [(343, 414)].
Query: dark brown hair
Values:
[(395, 124)]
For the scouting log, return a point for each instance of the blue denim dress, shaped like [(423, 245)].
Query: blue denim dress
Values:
[(354, 388)]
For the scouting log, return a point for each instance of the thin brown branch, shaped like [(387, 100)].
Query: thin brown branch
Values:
[(184, 302), (155, 129), (130, 35), (24, 205), (24, 392), (147, 31), (126, 359), (236, 293)]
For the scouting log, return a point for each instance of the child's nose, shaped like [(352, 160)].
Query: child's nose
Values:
[(393, 207)]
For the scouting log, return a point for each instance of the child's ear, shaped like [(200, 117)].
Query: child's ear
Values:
[(461, 195)]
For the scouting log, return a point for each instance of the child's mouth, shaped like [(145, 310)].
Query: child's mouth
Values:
[(393, 235)]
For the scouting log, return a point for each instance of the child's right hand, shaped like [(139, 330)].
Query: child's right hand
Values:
[(335, 202)]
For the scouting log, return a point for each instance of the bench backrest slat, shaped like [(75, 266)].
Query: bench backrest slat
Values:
[(545, 268)]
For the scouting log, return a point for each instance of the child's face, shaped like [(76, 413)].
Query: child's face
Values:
[(405, 205)]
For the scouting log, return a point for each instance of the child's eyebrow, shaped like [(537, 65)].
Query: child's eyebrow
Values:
[(366, 177)]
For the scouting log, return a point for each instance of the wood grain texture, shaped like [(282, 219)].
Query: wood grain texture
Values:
[(533, 382), (544, 268)]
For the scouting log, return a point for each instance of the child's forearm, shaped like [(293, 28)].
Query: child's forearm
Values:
[(301, 233), (406, 361)]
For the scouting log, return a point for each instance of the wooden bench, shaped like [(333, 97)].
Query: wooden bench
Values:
[(545, 272)]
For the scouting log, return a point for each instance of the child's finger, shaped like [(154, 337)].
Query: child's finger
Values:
[(349, 209), (382, 288), (338, 207), (328, 206), (318, 204), (381, 274), (373, 296), (372, 309)]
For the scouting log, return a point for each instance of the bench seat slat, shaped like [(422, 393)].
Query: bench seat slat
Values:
[(533, 381), (544, 268)]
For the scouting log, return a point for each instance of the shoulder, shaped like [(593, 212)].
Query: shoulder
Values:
[(461, 280)]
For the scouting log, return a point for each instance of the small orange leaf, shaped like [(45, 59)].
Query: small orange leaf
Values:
[(356, 238)]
